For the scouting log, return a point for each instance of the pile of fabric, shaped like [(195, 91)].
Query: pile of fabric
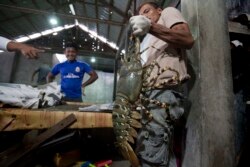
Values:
[(26, 96)]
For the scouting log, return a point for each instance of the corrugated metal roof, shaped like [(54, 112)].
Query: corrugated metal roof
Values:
[(103, 29), (108, 15), (121, 5), (107, 18)]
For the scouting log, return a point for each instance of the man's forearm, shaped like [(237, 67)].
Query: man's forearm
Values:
[(9, 45), (180, 38), (14, 46), (90, 81), (26, 50)]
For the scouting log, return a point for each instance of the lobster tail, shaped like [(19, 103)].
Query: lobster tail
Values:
[(128, 153), (124, 123)]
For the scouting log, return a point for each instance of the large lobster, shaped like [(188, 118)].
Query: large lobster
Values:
[(131, 87), (128, 91)]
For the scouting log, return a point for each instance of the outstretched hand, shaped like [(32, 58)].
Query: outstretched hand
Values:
[(26, 50), (29, 51)]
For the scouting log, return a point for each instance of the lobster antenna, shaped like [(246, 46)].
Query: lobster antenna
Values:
[(128, 31), (128, 34)]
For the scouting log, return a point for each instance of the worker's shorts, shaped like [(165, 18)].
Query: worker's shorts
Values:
[(154, 142)]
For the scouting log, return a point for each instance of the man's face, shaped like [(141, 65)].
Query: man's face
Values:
[(70, 53), (150, 12)]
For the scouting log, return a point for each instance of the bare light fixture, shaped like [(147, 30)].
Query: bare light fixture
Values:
[(45, 32), (34, 36), (23, 39), (53, 21), (72, 9), (93, 60), (60, 57)]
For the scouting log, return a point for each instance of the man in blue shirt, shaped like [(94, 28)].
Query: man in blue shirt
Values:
[(72, 73)]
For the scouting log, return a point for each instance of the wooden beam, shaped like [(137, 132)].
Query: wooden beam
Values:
[(22, 152), (44, 118)]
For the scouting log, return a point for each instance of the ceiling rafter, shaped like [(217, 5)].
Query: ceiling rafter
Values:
[(97, 16), (110, 17), (115, 9), (37, 6), (54, 4), (103, 3), (27, 17), (49, 2), (43, 12), (14, 23), (84, 8), (30, 13)]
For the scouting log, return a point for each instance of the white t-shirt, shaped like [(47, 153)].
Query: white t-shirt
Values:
[(166, 56)]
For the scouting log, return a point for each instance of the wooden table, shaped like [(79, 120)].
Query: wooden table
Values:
[(24, 119)]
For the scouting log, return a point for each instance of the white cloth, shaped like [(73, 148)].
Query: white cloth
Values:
[(3, 43), (237, 43), (97, 107), (144, 45), (25, 96), (140, 25)]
